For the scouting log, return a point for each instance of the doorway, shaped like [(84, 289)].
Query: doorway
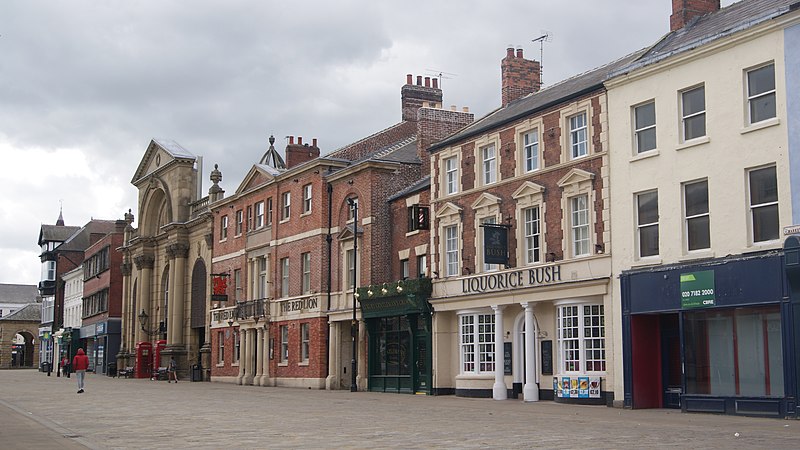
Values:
[(656, 361)]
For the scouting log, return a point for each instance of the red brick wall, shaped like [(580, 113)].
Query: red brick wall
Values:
[(228, 369), (317, 365), (399, 239)]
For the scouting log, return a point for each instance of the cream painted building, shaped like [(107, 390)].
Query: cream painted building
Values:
[(701, 189)]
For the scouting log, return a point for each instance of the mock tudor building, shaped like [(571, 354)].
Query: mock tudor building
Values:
[(705, 182), (520, 244), (298, 236), (165, 264)]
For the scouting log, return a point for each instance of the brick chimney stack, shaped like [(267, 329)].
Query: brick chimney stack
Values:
[(684, 11), (414, 95), (299, 153), (520, 76)]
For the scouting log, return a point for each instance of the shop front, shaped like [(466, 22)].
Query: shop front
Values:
[(709, 337), (398, 321), (537, 333)]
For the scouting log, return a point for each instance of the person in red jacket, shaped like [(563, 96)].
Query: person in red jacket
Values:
[(80, 363)]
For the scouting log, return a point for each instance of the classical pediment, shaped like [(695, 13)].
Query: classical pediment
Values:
[(448, 209), (575, 176), (161, 153), (256, 177), (528, 189), (486, 200)]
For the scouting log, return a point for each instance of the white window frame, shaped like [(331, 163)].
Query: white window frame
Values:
[(580, 245), (476, 343), (422, 266), (578, 135), (262, 277), (284, 277), (239, 222), (259, 215), (286, 206), (451, 250), (489, 164), (687, 116), (223, 228), (305, 341), (237, 346), (269, 212), (532, 234), (307, 189), (221, 348), (574, 346), (451, 175), (639, 130), (305, 264), (760, 95), (350, 269), (531, 158), (641, 226), (284, 352), (687, 218), (751, 207)]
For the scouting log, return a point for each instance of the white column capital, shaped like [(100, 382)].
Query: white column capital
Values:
[(498, 308)]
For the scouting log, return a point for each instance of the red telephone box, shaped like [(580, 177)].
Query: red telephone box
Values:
[(160, 345), (144, 359)]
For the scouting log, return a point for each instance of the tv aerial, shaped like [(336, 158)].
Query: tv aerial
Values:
[(545, 37), (440, 74)]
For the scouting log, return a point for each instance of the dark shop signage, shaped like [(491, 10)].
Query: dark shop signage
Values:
[(697, 289), (495, 244), (512, 280)]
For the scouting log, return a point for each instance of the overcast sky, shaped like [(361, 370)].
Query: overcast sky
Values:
[(85, 85)]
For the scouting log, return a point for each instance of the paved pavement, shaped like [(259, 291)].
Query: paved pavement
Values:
[(37, 411)]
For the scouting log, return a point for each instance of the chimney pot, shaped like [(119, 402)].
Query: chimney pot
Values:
[(519, 53), (419, 80), (436, 83), (465, 109), (299, 140), (314, 142), (409, 79), (427, 81), (510, 52), (291, 140), (453, 108)]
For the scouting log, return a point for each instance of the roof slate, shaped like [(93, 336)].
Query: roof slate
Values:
[(19, 293), (31, 313)]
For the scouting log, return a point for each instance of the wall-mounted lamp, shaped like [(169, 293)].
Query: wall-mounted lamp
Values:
[(599, 249), (467, 270), (350, 182), (230, 322), (550, 257)]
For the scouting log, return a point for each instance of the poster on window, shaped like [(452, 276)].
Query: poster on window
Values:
[(583, 387), (576, 387)]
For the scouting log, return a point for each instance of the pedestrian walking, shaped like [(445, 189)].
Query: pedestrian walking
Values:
[(80, 363), (172, 370)]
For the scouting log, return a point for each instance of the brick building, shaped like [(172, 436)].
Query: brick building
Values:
[(297, 237), (520, 224)]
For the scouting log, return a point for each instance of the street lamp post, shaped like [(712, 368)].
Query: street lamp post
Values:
[(354, 324)]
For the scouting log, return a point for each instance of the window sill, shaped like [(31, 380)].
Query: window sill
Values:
[(644, 155), (697, 254), (307, 213), (649, 261), (760, 125), (221, 365), (694, 143), (303, 364), (412, 233), (283, 364), (774, 244), (475, 376), (236, 364), (282, 221), (223, 240)]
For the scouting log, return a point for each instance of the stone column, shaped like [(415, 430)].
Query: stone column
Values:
[(499, 390), (248, 368), (178, 253), (265, 357), (332, 382), (127, 331), (144, 264), (530, 392), (259, 348), (242, 355)]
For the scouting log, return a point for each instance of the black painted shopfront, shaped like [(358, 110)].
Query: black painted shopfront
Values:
[(398, 319), (715, 336)]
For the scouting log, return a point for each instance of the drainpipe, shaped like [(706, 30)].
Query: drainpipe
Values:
[(329, 240)]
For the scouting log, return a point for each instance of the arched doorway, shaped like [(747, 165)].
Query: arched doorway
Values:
[(23, 351), (198, 311)]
